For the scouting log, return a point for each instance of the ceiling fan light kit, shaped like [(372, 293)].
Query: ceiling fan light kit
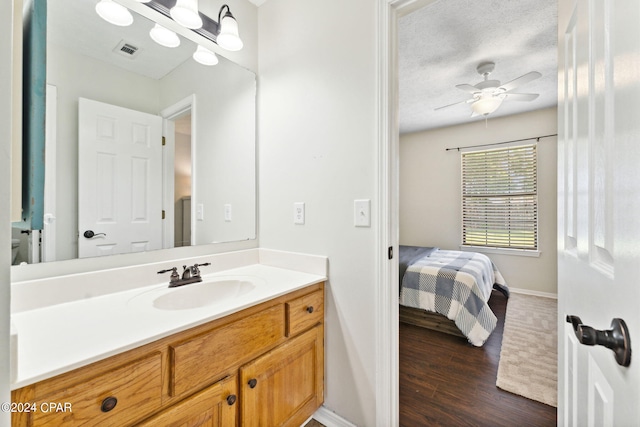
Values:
[(488, 95), (485, 106)]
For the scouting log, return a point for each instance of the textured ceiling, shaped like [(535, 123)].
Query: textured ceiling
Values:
[(440, 46)]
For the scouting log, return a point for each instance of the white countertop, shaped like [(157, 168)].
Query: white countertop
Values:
[(62, 337)]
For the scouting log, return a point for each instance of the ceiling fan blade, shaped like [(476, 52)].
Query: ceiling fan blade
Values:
[(521, 96), (455, 103), (521, 80), (468, 88)]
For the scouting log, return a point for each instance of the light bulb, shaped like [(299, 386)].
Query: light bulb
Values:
[(205, 56), (164, 36), (185, 13), (228, 38), (114, 13)]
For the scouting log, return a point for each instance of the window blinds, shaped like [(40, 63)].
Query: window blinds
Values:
[(500, 198)]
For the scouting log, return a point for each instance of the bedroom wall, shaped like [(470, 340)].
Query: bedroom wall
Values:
[(430, 197), (317, 144)]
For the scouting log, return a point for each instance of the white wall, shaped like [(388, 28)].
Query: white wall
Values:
[(430, 197), (6, 89), (318, 145)]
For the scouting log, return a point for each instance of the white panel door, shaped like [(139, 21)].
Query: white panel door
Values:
[(598, 207), (119, 181)]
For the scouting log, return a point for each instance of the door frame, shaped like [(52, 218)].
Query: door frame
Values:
[(168, 156), (387, 287), (49, 227)]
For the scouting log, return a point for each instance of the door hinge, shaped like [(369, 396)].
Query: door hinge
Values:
[(164, 141), (390, 252), (163, 214)]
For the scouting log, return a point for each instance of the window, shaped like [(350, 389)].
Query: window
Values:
[(500, 198)]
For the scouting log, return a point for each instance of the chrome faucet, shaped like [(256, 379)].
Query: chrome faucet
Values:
[(189, 275)]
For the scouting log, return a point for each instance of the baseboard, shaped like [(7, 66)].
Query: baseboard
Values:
[(330, 419), (533, 293)]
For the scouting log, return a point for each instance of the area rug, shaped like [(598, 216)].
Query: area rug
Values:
[(528, 359)]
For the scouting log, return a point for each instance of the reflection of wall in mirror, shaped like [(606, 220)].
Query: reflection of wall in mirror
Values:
[(221, 93), (225, 146)]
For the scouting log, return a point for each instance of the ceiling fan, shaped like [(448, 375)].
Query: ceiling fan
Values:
[(488, 95)]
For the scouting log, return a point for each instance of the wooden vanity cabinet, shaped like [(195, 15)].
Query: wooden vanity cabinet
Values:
[(262, 366)]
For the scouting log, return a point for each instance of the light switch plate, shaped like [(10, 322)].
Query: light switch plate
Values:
[(227, 212), (200, 212), (362, 213), (298, 213)]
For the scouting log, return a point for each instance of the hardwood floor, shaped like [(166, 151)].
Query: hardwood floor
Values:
[(444, 381)]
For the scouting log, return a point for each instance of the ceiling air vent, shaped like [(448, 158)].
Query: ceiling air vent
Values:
[(127, 49)]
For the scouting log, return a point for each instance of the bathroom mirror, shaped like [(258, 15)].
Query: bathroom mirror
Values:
[(202, 188)]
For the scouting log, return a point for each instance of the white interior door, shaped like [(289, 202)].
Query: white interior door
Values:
[(599, 207), (120, 180)]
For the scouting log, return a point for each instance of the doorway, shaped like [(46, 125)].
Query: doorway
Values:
[(179, 184), (182, 179), (392, 10)]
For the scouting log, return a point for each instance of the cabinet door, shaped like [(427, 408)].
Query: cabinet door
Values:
[(215, 406), (285, 386)]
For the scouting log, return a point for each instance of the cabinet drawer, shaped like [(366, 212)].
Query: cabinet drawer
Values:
[(304, 312), (135, 389), (201, 360), (214, 406)]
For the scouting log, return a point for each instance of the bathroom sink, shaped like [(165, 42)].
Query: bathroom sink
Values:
[(209, 292)]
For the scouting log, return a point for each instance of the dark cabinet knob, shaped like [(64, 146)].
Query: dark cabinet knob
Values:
[(231, 399), (108, 404), (310, 309), (252, 382)]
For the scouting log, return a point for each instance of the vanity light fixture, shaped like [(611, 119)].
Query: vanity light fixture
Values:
[(114, 13), (205, 56), (228, 37), (164, 36), (224, 32), (185, 13)]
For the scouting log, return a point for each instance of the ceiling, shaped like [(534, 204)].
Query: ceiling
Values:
[(75, 26), (440, 46)]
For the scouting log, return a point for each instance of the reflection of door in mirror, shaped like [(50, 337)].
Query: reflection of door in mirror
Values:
[(182, 167), (119, 180)]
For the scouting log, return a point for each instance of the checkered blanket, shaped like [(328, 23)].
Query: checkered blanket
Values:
[(457, 285)]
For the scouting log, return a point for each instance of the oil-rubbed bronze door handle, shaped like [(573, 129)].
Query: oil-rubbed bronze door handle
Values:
[(617, 338), (89, 234)]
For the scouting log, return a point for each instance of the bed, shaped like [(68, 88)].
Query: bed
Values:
[(453, 284)]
